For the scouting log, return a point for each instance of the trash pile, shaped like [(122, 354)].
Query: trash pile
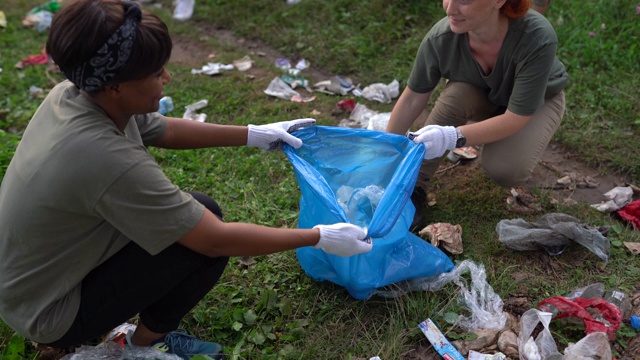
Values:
[(40, 17), (498, 335)]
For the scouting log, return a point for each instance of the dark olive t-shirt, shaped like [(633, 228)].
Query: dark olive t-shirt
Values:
[(76, 191), (526, 72)]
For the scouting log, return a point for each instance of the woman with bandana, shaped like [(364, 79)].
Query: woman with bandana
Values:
[(504, 90), (92, 233)]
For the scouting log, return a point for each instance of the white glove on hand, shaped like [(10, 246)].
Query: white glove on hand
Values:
[(343, 239), (437, 139), (271, 136)]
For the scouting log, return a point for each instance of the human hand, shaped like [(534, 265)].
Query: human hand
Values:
[(343, 239), (271, 136), (437, 139)]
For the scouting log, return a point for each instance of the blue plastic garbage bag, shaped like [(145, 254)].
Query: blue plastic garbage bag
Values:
[(363, 177)]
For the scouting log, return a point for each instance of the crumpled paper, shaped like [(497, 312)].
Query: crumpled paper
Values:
[(446, 235)]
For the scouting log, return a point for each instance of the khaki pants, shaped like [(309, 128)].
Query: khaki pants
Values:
[(509, 161)]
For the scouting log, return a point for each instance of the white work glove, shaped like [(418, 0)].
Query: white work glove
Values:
[(271, 136), (437, 139), (343, 239)]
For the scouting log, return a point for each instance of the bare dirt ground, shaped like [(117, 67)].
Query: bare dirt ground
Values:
[(582, 183)]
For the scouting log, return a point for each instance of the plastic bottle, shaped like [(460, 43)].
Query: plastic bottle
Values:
[(620, 300), (166, 105), (595, 290)]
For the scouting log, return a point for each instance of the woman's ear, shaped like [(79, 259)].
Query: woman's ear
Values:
[(113, 89)]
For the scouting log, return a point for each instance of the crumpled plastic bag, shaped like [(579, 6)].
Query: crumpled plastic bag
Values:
[(543, 347), (598, 315), (631, 214), (212, 69), (482, 301), (112, 351), (383, 93), (593, 346), (618, 198), (553, 232), (281, 89)]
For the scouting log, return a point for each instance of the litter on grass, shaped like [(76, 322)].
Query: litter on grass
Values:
[(190, 111), (243, 64), (553, 232), (212, 69), (618, 197), (280, 89)]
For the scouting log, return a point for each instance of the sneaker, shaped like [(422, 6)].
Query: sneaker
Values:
[(185, 345), (419, 199)]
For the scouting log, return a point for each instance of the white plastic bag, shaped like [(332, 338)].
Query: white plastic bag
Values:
[(184, 9)]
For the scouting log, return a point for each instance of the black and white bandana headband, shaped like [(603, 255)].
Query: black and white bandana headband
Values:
[(107, 62)]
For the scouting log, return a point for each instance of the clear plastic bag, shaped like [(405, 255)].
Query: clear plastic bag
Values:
[(543, 347), (483, 303), (112, 351), (552, 232)]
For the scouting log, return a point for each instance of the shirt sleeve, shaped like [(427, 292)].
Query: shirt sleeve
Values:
[(151, 127), (146, 207), (426, 72)]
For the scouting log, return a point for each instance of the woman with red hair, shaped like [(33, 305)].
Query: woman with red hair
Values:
[(504, 90)]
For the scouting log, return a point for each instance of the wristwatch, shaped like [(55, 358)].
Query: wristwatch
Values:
[(461, 140)]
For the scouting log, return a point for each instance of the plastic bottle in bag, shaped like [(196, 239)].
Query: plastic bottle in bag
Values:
[(620, 300), (592, 291)]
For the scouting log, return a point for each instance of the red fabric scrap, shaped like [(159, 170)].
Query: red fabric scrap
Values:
[(583, 309), (347, 104), (37, 59), (631, 213)]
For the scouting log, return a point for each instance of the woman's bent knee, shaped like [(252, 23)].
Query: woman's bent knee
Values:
[(507, 177)]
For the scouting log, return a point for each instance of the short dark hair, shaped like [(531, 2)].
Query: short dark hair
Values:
[(81, 27)]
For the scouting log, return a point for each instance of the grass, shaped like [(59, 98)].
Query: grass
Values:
[(272, 310)]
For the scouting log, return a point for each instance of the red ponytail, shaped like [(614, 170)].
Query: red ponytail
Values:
[(514, 9)]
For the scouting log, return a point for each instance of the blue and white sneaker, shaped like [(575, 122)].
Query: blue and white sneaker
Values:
[(185, 345)]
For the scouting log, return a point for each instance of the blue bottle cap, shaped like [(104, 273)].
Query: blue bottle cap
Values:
[(635, 322)]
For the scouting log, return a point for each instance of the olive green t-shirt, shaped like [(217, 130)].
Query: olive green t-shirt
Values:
[(76, 191), (526, 72)]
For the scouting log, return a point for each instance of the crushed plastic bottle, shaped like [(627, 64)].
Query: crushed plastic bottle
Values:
[(166, 105)]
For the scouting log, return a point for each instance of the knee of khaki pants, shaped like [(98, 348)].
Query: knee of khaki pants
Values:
[(506, 176), (460, 103), (511, 161)]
